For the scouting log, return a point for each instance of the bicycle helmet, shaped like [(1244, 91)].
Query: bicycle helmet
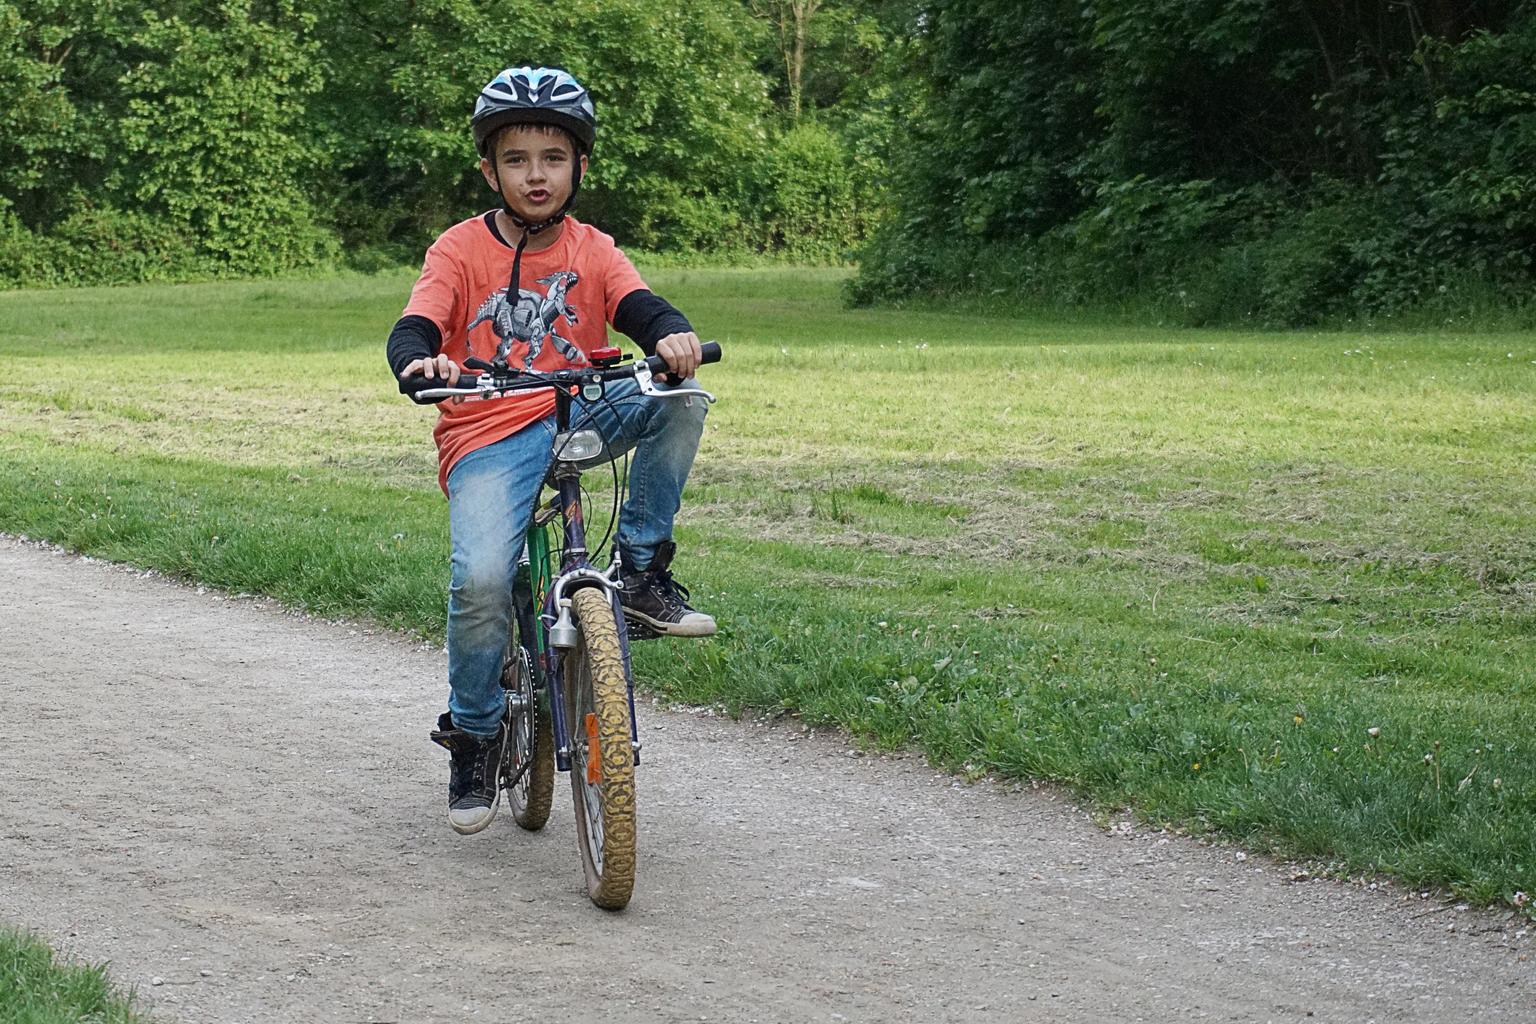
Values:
[(528, 95), (534, 96)]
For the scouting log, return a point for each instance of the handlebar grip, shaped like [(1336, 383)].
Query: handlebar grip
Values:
[(709, 352), (412, 386)]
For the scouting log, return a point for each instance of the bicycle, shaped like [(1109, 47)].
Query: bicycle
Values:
[(567, 678)]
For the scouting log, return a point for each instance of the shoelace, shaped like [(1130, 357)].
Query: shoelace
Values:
[(480, 763), (670, 586)]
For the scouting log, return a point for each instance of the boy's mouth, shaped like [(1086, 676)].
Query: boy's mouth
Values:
[(538, 196)]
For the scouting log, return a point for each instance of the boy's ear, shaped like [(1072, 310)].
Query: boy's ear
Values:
[(583, 165), (488, 172)]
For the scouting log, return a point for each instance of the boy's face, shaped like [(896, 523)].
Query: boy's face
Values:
[(533, 166)]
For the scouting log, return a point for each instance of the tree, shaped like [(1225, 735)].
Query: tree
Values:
[(1278, 160), (791, 20), (680, 111), (215, 130), (59, 63)]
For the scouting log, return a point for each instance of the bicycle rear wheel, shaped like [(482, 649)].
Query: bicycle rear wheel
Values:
[(530, 748), (602, 758)]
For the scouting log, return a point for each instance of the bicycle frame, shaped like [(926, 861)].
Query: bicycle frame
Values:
[(542, 607), (545, 601), (549, 587)]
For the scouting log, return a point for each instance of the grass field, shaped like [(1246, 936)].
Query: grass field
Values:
[(37, 988), (1280, 587)]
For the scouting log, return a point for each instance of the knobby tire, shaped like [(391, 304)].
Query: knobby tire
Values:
[(530, 735), (594, 682)]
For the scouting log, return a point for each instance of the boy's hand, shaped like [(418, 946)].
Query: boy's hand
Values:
[(682, 353), (432, 369)]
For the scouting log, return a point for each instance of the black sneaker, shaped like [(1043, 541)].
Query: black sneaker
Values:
[(654, 601), (472, 774)]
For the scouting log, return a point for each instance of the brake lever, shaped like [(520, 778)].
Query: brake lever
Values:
[(647, 382)]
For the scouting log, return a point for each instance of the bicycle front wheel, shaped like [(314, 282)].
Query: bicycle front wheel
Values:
[(602, 758)]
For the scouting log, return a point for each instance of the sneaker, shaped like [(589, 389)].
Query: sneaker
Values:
[(472, 774), (652, 598)]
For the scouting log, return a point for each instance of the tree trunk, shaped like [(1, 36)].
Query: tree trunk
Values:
[(801, 12)]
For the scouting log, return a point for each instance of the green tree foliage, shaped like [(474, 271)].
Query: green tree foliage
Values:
[(214, 121), (36, 120), (58, 63), (251, 136), (1277, 161), (1272, 160), (156, 144), (830, 65), (680, 112)]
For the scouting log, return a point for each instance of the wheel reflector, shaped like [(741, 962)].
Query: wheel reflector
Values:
[(594, 753)]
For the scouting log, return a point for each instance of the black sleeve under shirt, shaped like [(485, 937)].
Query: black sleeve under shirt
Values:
[(413, 338), (646, 318)]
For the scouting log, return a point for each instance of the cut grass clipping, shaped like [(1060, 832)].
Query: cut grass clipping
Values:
[(1277, 587), (36, 988)]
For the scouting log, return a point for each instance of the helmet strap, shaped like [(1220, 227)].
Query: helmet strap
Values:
[(535, 227), (514, 285)]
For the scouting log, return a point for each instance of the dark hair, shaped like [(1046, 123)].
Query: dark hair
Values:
[(542, 127)]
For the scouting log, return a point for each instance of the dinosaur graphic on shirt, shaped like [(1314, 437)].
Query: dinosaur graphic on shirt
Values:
[(531, 321)]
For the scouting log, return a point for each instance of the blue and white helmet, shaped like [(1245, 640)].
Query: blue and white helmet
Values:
[(534, 96)]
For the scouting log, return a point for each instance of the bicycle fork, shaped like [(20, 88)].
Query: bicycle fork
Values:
[(554, 631)]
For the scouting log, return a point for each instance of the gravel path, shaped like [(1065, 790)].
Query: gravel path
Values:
[(240, 810)]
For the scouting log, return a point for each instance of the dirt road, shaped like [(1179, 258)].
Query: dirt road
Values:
[(240, 810)]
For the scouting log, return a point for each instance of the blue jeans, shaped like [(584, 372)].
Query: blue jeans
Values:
[(491, 495)]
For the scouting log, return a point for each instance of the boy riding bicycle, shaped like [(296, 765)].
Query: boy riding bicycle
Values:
[(531, 285)]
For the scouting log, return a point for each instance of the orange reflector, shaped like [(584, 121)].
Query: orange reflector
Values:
[(594, 754)]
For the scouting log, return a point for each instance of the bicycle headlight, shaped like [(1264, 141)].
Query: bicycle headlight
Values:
[(578, 445)]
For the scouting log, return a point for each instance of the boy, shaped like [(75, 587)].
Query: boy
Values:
[(534, 286)]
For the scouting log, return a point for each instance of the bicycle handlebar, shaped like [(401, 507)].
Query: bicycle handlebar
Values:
[(529, 380)]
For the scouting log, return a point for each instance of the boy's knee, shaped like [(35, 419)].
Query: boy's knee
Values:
[(482, 581)]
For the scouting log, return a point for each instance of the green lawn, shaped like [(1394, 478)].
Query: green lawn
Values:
[(38, 988), (1276, 586)]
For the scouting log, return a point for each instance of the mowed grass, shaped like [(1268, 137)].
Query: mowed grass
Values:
[(37, 988), (1278, 587)]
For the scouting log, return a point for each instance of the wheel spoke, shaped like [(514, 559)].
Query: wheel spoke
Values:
[(529, 763)]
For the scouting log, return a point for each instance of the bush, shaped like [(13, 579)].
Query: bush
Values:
[(1384, 170), (661, 215), (96, 246), (1190, 256), (107, 246), (1286, 266), (809, 196), (25, 259)]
